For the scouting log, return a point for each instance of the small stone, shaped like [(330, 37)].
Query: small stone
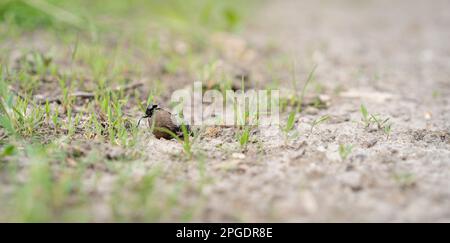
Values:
[(325, 99), (351, 179), (238, 156), (212, 132), (311, 110), (370, 143)]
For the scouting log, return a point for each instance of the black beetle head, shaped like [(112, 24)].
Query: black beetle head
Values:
[(150, 109), (148, 112)]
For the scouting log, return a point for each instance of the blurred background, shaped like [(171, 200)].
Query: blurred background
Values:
[(84, 14)]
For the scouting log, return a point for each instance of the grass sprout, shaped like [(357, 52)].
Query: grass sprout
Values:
[(319, 121), (372, 120), (344, 151)]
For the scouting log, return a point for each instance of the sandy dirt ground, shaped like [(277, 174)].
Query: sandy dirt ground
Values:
[(391, 56)]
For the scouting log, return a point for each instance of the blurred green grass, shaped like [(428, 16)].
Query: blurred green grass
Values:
[(62, 14)]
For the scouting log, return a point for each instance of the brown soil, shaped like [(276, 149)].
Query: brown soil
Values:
[(390, 56)]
